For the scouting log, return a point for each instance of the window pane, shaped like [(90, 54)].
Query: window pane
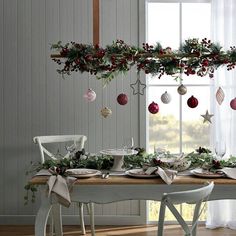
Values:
[(196, 20), (163, 30), (154, 208), (196, 24), (163, 24), (193, 79), (164, 126)]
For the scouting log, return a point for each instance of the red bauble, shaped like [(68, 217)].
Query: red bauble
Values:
[(122, 99), (153, 108), (233, 104), (192, 102)]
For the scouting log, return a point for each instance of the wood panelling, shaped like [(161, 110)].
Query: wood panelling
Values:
[(35, 100)]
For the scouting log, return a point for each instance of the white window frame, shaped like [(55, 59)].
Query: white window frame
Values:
[(143, 100)]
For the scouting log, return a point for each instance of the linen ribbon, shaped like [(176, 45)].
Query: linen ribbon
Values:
[(167, 175), (59, 186)]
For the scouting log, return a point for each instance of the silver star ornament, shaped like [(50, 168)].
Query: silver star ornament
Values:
[(207, 117), (138, 87)]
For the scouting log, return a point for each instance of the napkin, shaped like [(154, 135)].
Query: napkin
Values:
[(229, 172), (61, 187), (166, 174), (58, 185)]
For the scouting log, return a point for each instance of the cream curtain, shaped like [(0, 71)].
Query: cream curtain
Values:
[(223, 213)]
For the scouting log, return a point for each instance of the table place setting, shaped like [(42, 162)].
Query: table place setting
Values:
[(217, 173), (137, 164), (151, 172)]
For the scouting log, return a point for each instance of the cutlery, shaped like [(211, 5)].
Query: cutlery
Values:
[(105, 175)]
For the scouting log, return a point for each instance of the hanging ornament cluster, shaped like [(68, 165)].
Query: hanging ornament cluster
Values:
[(166, 97), (90, 95), (192, 102)]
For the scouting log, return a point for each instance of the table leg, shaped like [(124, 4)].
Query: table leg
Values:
[(56, 215), (42, 217), (91, 206)]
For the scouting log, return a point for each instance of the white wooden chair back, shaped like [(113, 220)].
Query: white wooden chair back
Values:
[(78, 143), (196, 196)]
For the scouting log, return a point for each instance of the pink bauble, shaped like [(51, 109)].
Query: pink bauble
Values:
[(233, 104), (153, 108), (90, 95), (122, 99)]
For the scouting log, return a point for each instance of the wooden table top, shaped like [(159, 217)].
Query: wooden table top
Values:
[(126, 180)]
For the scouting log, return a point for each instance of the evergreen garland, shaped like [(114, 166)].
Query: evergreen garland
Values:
[(194, 57)]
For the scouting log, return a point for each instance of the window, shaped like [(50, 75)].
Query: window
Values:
[(176, 127)]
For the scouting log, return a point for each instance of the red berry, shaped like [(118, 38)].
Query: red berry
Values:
[(205, 62)]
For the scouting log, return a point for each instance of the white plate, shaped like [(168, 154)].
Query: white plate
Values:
[(206, 174), (82, 172), (139, 173), (118, 152)]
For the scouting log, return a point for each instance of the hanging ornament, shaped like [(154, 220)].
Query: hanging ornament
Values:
[(207, 117), (182, 89), (138, 87), (153, 108), (165, 97), (233, 104), (105, 112), (122, 99), (220, 95), (192, 102), (90, 95)]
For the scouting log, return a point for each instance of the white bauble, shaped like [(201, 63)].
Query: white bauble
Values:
[(166, 97)]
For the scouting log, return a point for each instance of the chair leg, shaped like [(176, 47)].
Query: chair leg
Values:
[(161, 219), (81, 214), (179, 218), (195, 218)]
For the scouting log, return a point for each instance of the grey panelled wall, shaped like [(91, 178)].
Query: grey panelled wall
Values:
[(35, 100)]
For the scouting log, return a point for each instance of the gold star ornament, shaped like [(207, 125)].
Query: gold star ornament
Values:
[(207, 117)]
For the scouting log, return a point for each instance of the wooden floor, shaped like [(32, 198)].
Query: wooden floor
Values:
[(170, 230)]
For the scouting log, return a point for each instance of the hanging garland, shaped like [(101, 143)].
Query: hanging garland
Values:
[(194, 57)]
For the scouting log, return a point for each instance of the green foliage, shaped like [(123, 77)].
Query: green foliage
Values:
[(193, 57), (30, 189)]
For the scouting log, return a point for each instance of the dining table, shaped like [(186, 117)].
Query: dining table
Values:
[(122, 187)]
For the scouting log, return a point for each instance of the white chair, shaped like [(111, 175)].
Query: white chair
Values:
[(196, 196), (77, 143)]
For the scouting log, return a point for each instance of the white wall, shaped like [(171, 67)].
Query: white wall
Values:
[(35, 100)]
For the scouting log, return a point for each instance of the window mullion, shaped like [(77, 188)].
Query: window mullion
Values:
[(180, 96)]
